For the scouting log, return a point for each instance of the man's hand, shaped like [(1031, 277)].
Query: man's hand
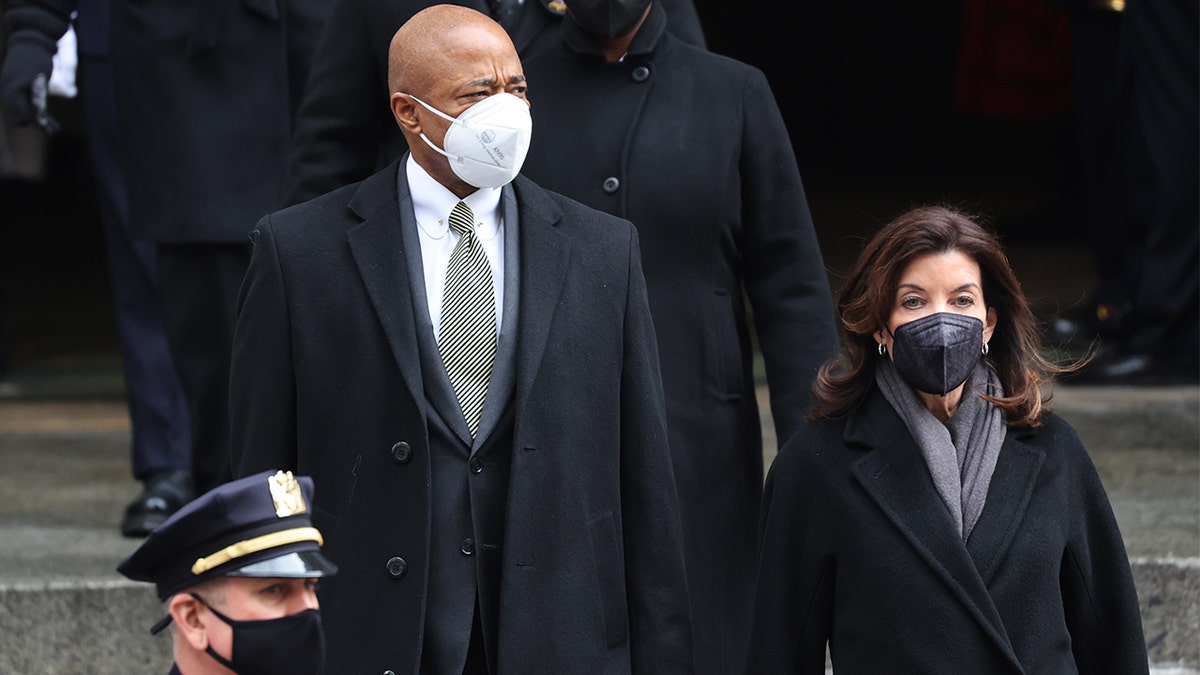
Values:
[(25, 62)]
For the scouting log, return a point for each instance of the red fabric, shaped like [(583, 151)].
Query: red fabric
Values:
[(1014, 60)]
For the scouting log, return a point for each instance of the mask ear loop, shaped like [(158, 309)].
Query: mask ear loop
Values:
[(440, 114), (209, 649)]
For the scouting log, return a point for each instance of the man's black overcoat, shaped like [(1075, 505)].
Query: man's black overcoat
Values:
[(327, 381), (206, 92)]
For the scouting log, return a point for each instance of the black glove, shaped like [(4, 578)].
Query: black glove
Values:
[(29, 55)]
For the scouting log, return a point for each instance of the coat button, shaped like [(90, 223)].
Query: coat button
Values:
[(396, 567), (611, 184), (476, 465), (401, 452), (389, 672), (468, 546), (640, 74)]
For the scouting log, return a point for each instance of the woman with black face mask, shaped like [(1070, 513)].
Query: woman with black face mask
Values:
[(934, 516)]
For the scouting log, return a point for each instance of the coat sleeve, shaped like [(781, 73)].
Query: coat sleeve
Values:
[(659, 609), (793, 606), (1099, 598), (786, 280), (262, 390), (343, 114), (31, 40)]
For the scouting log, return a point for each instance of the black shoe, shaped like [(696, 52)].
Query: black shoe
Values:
[(1126, 369), (1082, 328), (163, 494)]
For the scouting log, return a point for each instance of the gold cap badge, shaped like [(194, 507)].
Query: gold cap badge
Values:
[(285, 492)]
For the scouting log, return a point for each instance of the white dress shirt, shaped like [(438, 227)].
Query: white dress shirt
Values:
[(432, 204)]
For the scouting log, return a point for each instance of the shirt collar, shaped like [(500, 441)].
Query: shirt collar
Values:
[(432, 203)]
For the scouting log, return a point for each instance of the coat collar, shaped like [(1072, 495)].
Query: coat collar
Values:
[(894, 474), (544, 254)]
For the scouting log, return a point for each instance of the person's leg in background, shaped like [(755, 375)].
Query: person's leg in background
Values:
[(1160, 198), (161, 438), (199, 284)]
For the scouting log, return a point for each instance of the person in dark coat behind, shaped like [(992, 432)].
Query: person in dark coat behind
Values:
[(205, 95), (537, 534), (160, 431), (935, 517), (690, 146), (343, 134)]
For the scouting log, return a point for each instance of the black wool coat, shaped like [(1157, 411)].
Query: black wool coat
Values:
[(327, 380), (860, 552), (345, 130), (206, 92), (690, 146)]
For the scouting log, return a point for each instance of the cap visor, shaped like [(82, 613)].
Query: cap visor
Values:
[(297, 564)]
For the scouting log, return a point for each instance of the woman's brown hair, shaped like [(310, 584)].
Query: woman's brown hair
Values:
[(867, 296)]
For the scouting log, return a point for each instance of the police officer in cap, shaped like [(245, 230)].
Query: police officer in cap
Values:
[(238, 569)]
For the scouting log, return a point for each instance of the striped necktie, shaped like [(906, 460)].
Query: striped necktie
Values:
[(467, 340)]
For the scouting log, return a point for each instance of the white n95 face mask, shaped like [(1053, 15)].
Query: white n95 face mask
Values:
[(487, 143)]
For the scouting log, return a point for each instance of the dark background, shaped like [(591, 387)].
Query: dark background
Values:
[(889, 104)]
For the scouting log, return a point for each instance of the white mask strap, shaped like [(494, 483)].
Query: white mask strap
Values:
[(433, 110), (439, 113)]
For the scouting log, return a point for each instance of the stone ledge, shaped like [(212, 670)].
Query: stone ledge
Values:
[(1169, 595), (102, 627)]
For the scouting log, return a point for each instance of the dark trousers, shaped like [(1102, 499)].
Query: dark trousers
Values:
[(199, 284), (1161, 136), (157, 408)]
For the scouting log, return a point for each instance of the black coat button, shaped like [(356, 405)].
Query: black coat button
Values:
[(468, 546), (396, 567), (611, 184), (476, 465), (640, 74), (401, 452)]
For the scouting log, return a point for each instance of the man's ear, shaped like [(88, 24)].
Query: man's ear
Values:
[(191, 623), (403, 110)]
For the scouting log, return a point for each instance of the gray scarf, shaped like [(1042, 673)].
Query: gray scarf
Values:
[(961, 454)]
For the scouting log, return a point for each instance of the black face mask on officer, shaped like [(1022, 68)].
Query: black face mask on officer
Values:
[(936, 353), (607, 18), (293, 644)]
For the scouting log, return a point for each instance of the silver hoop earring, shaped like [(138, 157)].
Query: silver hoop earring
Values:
[(985, 349), (883, 349)]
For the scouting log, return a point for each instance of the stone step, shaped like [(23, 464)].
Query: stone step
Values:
[(64, 610)]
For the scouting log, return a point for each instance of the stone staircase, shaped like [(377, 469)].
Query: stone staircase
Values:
[(65, 479)]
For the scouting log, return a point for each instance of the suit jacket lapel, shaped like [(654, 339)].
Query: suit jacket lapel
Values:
[(895, 476), (545, 252), (500, 387)]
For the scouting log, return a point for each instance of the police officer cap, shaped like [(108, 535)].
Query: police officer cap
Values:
[(257, 526)]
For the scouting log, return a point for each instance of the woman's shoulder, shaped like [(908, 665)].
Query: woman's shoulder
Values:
[(817, 440), (1056, 438)]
